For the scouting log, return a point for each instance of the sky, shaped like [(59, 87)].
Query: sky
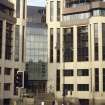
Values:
[(36, 2)]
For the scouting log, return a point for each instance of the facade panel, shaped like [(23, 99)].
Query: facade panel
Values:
[(36, 49), (10, 48), (81, 51)]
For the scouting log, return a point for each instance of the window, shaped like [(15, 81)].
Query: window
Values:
[(77, 16), (1, 26), (7, 86), (83, 72), (84, 101), (96, 42), (75, 3), (8, 46), (6, 101), (51, 45), (69, 87), (17, 33), (58, 45), (7, 71), (96, 79), (67, 3), (23, 44), (58, 80), (51, 10), (103, 79), (15, 84), (58, 10), (18, 8), (82, 43), (103, 41), (68, 72), (98, 12), (24, 8), (83, 87), (68, 44), (0, 70)]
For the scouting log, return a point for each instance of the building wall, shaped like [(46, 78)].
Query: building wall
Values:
[(91, 64), (36, 48), (12, 64)]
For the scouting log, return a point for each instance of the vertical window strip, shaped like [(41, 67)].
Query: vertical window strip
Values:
[(51, 10), (58, 80), (58, 45), (96, 79), (103, 79), (103, 41), (51, 45), (1, 29), (96, 50), (58, 10)]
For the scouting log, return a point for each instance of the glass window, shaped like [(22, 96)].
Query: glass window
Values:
[(96, 13), (75, 3), (68, 72), (96, 79), (51, 45), (6, 101), (70, 17), (84, 101), (99, 12), (82, 43), (69, 87), (36, 50), (83, 87), (8, 46), (96, 50), (23, 44), (7, 71), (17, 34), (58, 45), (15, 83), (1, 26), (68, 44), (103, 41), (0, 70), (58, 10), (51, 10), (7, 86), (24, 8), (18, 8), (58, 80), (82, 72), (103, 79)]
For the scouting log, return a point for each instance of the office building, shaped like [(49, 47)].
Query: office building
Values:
[(36, 49), (76, 50), (12, 35)]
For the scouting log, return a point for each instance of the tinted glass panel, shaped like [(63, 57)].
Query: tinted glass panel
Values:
[(103, 41), (68, 44), (1, 26), (83, 72), (18, 8), (68, 72), (82, 43), (96, 56), (83, 87)]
